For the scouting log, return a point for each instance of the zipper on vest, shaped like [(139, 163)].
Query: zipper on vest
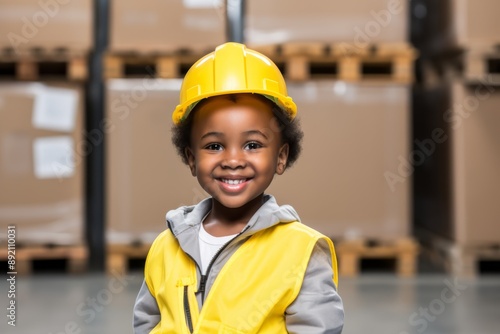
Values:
[(187, 310), (203, 281)]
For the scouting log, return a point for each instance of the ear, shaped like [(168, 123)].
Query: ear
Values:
[(282, 159), (191, 160)]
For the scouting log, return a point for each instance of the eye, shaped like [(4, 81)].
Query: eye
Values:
[(252, 146), (214, 147)]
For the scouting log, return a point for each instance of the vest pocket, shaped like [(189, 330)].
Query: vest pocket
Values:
[(187, 310), (185, 299)]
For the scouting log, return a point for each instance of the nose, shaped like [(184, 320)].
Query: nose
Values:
[(234, 158)]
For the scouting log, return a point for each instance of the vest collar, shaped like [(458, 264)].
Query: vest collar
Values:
[(185, 221)]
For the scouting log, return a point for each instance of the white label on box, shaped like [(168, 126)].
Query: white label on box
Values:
[(55, 109), (53, 157), (202, 3)]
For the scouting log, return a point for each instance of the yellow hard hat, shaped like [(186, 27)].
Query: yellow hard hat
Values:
[(230, 69)]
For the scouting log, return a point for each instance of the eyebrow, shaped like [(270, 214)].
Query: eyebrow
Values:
[(255, 132), (220, 134), (213, 133)]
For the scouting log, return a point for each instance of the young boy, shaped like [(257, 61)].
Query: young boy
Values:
[(237, 262)]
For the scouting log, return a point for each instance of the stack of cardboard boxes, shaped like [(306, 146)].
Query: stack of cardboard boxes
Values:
[(355, 135), (145, 177), (42, 146), (458, 186), (41, 173)]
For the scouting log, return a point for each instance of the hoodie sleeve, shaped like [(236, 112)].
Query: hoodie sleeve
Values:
[(146, 311), (318, 307)]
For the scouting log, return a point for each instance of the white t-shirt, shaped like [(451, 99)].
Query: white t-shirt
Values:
[(209, 246)]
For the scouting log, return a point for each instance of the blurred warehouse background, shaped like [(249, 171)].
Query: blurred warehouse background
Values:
[(399, 101)]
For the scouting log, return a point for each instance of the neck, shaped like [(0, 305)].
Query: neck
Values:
[(235, 216)]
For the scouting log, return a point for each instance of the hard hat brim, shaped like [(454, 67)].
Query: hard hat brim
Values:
[(285, 103)]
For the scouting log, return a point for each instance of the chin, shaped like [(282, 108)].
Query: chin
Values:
[(235, 202), (232, 204)]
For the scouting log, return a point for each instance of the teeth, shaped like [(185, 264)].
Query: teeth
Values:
[(232, 181)]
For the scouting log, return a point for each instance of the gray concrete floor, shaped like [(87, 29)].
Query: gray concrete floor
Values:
[(378, 304)]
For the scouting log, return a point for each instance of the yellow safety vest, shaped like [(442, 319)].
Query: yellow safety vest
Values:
[(251, 292)]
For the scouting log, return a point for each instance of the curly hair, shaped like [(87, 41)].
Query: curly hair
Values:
[(290, 130)]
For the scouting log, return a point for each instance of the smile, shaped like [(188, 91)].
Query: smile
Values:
[(233, 186), (233, 182)]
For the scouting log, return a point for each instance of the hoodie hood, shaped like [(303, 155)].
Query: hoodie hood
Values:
[(269, 214)]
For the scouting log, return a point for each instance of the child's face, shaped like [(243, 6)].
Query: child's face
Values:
[(235, 148)]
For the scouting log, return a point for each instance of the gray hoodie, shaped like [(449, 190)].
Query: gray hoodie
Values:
[(318, 307)]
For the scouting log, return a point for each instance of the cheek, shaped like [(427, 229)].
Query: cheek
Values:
[(205, 162), (267, 164)]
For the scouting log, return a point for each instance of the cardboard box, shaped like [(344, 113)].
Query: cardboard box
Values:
[(41, 168), (46, 24), (357, 22), (166, 26), (144, 176), (476, 163), (354, 135), (472, 186)]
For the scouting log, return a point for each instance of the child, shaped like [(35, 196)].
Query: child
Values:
[(237, 262)]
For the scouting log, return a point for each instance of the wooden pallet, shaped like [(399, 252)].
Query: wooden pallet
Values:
[(483, 61), (351, 252), (76, 256), (457, 259), (303, 61), (158, 65), (119, 255), (42, 64)]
